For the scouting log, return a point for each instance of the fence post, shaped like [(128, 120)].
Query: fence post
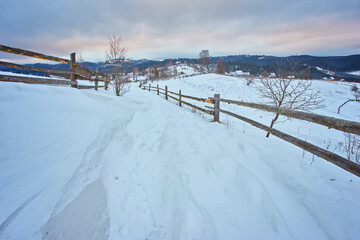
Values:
[(180, 98), (166, 94), (216, 108), (73, 60), (149, 87), (158, 89), (96, 80)]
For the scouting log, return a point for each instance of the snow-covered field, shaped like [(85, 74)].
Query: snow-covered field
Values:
[(81, 164)]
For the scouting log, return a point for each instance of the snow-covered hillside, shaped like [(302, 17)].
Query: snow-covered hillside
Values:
[(333, 93), (81, 164)]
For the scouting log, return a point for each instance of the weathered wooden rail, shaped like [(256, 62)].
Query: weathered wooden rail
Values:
[(77, 72), (6, 78), (339, 124), (330, 122)]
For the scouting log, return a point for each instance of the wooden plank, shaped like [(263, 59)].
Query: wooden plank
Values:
[(159, 88), (198, 108), (330, 122), (320, 152), (173, 93), (6, 78), (173, 97), (33, 54), (88, 87), (190, 97), (194, 98), (30, 68)]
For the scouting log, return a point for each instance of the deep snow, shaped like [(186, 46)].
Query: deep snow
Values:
[(81, 164)]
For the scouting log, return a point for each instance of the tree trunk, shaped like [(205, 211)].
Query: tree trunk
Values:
[(272, 123)]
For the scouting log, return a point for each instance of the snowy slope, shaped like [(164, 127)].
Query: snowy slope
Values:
[(89, 165), (333, 93)]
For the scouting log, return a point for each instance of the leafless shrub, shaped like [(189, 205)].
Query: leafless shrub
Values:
[(352, 147), (116, 57), (286, 92), (228, 124)]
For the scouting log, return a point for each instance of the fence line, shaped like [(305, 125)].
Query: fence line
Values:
[(166, 93), (339, 124), (77, 72)]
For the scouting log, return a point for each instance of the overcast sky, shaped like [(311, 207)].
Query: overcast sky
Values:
[(158, 29)]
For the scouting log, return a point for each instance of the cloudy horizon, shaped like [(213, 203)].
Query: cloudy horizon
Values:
[(158, 29)]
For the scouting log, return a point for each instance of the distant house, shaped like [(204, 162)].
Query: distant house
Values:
[(239, 73), (272, 75)]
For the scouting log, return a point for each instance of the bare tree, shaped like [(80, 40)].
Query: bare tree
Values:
[(356, 96), (175, 72), (286, 92), (204, 59), (135, 73), (220, 67), (116, 57)]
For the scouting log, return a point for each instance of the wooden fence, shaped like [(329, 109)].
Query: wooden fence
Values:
[(330, 122), (77, 72)]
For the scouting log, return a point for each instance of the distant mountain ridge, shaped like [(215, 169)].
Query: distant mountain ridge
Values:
[(339, 65)]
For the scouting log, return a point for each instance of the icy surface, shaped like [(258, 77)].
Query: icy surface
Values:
[(89, 165)]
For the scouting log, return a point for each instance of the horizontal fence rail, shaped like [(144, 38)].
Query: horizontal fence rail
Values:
[(339, 124), (6, 78), (34, 55), (330, 122), (30, 68)]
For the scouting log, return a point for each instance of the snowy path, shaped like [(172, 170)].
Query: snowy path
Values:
[(140, 167)]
